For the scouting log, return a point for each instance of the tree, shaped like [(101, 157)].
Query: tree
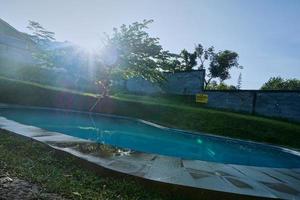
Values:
[(39, 34), (220, 65), (185, 61), (278, 83), (188, 60), (292, 84), (213, 85), (130, 52), (216, 65), (44, 55), (204, 54), (173, 64), (239, 82)]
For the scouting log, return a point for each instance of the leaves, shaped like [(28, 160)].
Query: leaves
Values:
[(40, 34), (278, 83), (45, 56), (131, 52), (204, 54), (213, 85), (221, 63), (188, 60)]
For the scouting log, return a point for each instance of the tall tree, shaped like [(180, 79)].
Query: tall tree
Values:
[(188, 60), (45, 56), (39, 33), (220, 65), (239, 82), (216, 65), (204, 54), (131, 52)]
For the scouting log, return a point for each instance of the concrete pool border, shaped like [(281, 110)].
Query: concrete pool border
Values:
[(224, 178)]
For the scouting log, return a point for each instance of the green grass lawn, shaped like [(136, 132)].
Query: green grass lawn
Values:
[(172, 111), (38, 163)]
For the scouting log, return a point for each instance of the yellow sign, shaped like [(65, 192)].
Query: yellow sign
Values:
[(201, 98)]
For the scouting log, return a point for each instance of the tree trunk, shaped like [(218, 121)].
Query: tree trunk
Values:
[(206, 83)]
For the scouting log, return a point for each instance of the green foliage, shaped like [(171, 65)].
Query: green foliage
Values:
[(221, 63), (204, 54), (39, 34), (217, 65), (213, 85), (188, 60), (278, 83), (131, 52), (45, 56), (173, 64)]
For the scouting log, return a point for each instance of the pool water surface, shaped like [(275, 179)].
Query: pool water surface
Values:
[(145, 137)]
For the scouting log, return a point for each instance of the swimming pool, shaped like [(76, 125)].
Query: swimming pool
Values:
[(142, 136)]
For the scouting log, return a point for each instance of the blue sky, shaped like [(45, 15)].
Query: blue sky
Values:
[(265, 33)]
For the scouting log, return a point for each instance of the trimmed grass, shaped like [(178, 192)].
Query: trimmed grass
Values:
[(48, 87), (173, 111), (37, 163), (174, 100)]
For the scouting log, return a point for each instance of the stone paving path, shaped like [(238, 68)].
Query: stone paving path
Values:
[(13, 188)]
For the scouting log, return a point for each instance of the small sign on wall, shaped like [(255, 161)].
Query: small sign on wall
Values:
[(201, 98)]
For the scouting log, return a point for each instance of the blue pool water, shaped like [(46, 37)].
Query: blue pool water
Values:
[(140, 136)]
